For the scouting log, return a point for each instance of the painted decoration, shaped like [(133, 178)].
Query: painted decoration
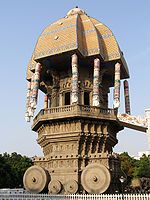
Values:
[(116, 102), (126, 96), (96, 75), (74, 95), (46, 101), (36, 85), (135, 120), (31, 109), (27, 117), (32, 93)]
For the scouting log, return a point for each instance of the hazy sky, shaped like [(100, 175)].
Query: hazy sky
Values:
[(21, 23)]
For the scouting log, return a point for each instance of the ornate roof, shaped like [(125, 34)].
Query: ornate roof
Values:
[(77, 31)]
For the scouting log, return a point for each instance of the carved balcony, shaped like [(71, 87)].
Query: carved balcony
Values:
[(73, 111)]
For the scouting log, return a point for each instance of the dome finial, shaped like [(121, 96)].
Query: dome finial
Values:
[(76, 10)]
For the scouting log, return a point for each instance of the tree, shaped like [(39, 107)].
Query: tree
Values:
[(127, 164), (12, 169), (142, 168), (5, 169)]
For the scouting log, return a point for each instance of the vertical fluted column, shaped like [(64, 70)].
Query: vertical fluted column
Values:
[(36, 85), (126, 96), (27, 117), (96, 75), (45, 101), (117, 86), (74, 95)]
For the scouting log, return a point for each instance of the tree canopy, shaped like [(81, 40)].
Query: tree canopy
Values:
[(12, 168), (134, 168), (142, 168)]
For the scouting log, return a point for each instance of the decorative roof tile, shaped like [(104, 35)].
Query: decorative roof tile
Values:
[(77, 31)]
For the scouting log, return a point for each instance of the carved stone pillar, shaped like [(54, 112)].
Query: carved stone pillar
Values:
[(96, 98), (27, 117), (126, 96), (35, 82), (54, 97), (31, 109), (46, 101), (55, 88), (117, 86), (36, 85), (74, 95), (61, 99)]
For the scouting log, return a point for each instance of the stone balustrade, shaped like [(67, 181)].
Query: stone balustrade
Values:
[(74, 111)]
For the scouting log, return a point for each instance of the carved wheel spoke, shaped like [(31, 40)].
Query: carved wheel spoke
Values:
[(71, 187), (54, 187), (36, 179), (95, 178)]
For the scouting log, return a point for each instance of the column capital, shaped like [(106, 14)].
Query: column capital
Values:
[(117, 66), (96, 62), (38, 67), (74, 59)]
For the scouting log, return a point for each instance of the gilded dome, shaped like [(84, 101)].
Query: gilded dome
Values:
[(78, 32)]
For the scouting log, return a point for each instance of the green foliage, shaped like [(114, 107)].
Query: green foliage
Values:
[(127, 164), (142, 169), (5, 171), (135, 168), (12, 168)]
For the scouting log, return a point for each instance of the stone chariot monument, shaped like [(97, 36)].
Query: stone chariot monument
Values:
[(75, 63)]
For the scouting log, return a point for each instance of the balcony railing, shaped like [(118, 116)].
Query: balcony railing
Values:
[(73, 111)]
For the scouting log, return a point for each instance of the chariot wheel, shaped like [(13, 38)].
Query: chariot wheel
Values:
[(71, 187), (95, 178), (36, 179), (54, 187)]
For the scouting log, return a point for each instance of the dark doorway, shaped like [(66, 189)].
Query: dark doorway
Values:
[(86, 98), (67, 98)]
